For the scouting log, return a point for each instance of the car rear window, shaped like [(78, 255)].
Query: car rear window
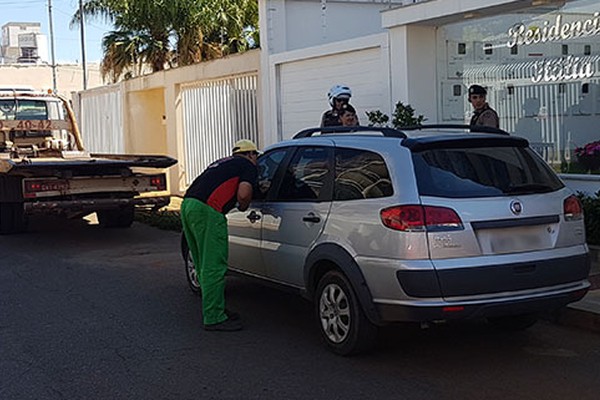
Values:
[(360, 174), (482, 172)]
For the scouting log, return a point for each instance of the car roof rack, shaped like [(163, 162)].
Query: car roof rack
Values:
[(472, 129), (385, 131)]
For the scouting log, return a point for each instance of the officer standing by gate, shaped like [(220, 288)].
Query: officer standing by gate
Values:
[(483, 114)]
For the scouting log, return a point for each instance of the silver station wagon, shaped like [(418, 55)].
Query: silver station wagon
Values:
[(378, 226)]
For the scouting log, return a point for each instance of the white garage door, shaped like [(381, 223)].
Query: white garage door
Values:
[(303, 87)]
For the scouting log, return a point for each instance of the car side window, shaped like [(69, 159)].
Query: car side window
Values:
[(360, 174), (268, 165), (308, 176)]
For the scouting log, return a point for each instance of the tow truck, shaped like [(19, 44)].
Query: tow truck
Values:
[(44, 168)]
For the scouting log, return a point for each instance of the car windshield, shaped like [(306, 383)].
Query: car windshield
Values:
[(483, 172), (12, 109)]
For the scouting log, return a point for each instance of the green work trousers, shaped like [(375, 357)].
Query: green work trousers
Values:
[(206, 233)]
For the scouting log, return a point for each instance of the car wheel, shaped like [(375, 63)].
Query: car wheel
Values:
[(513, 322), (117, 218), (190, 268), (342, 321)]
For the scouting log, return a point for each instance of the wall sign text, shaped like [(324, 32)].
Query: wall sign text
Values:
[(563, 69), (553, 31)]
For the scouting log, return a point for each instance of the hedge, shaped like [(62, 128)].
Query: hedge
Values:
[(591, 212), (163, 219)]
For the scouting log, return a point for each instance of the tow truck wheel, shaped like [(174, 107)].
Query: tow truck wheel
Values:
[(119, 218)]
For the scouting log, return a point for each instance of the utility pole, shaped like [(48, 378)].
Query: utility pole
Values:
[(51, 25), (81, 28)]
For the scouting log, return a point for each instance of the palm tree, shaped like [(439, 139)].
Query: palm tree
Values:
[(162, 33)]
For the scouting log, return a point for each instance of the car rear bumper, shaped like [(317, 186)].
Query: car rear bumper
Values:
[(514, 276), (433, 310)]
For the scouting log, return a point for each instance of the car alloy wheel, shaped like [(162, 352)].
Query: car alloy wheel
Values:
[(190, 268), (334, 312), (342, 322)]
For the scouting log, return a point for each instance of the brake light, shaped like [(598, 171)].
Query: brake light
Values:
[(159, 182), (572, 208), (417, 218)]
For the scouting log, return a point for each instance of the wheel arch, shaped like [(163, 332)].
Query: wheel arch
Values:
[(326, 257)]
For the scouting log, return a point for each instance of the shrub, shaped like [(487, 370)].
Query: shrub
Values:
[(403, 115), (591, 210), (169, 220)]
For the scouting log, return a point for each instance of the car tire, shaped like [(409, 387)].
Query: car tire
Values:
[(117, 218), (513, 322), (341, 319), (190, 268)]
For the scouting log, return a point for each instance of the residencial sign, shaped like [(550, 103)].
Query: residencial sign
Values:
[(558, 30)]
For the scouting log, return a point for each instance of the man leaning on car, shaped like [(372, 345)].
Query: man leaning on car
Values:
[(212, 195)]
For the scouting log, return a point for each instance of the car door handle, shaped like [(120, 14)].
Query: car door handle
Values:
[(253, 216), (311, 218)]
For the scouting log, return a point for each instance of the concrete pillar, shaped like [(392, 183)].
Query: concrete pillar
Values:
[(414, 69)]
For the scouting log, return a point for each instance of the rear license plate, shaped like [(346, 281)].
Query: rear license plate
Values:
[(516, 242)]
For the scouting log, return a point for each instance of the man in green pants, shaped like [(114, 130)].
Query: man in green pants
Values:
[(212, 195)]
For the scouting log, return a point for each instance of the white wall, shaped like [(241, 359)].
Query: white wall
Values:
[(296, 24), (301, 79), (413, 68), (161, 95)]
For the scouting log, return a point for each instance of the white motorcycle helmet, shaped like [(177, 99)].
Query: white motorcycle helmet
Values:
[(338, 91)]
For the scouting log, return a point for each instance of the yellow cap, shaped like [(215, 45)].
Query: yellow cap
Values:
[(243, 146)]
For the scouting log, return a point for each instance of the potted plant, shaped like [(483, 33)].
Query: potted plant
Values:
[(589, 156)]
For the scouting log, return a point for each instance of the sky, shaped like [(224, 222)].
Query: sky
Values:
[(67, 42)]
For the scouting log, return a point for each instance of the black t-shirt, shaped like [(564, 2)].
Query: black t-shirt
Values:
[(330, 118), (217, 185)]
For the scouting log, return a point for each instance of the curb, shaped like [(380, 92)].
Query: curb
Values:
[(585, 313), (578, 318)]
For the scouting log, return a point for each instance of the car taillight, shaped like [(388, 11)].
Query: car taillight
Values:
[(159, 182), (572, 208), (416, 218)]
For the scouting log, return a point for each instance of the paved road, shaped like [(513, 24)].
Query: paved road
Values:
[(87, 313)]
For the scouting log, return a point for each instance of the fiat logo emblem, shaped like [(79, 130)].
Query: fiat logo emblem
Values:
[(516, 207)]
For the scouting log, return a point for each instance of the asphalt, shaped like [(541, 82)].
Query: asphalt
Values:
[(585, 313)]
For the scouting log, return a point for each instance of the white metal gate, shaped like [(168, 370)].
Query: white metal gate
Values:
[(100, 118), (217, 113)]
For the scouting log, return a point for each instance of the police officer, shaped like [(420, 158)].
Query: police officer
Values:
[(483, 114), (212, 195), (338, 96)]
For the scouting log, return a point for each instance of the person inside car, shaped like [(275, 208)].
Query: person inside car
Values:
[(348, 116)]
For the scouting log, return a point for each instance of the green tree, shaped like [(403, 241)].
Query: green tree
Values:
[(158, 34)]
